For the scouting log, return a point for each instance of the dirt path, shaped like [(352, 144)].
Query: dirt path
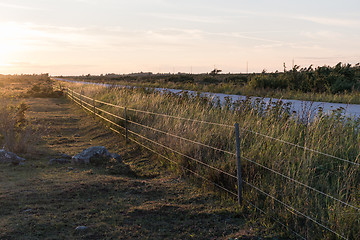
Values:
[(38, 201)]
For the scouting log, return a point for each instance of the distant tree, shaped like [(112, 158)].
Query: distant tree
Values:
[(215, 71)]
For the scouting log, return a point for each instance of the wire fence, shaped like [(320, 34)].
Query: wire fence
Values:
[(89, 104)]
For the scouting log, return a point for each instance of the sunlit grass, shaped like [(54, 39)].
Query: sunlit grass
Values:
[(332, 134)]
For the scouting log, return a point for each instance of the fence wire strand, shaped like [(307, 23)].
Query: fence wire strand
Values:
[(109, 121), (300, 183), (195, 173), (294, 210), (302, 147), (275, 219), (182, 138), (182, 154), (109, 104), (111, 114)]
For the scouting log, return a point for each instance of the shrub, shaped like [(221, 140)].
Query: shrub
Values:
[(16, 134), (42, 91), (337, 79), (268, 81)]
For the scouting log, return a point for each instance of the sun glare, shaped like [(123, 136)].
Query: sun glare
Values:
[(12, 37)]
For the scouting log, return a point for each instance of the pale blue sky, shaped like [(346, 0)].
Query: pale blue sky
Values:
[(102, 36)]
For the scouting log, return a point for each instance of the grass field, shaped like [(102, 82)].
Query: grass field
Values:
[(41, 201)]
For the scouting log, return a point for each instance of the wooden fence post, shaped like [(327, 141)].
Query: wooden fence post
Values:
[(94, 107), (81, 102), (126, 129), (238, 162)]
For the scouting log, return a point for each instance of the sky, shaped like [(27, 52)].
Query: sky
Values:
[(75, 37)]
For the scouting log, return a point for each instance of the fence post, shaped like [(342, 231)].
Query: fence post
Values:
[(126, 129), (94, 107), (81, 101), (238, 162), (72, 95)]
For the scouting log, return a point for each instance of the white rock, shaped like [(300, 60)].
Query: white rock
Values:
[(81, 228)]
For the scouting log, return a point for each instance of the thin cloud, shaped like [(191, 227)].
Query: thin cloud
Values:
[(188, 18), (330, 21), (321, 34), (18, 6), (314, 19), (245, 36)]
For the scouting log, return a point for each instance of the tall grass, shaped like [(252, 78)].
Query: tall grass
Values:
[(332, 134)]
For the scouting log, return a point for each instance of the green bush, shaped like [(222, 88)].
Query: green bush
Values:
[(337, 79), (268, 81)]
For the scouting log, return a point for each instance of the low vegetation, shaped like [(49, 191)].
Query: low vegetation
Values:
[(340, 83), (331, 134), (42, 201)]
